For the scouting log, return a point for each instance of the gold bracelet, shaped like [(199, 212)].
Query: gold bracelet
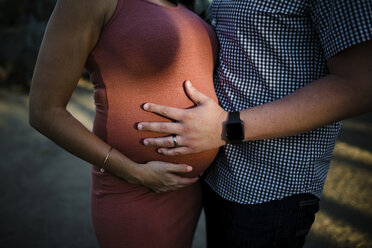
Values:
[(102, 169)]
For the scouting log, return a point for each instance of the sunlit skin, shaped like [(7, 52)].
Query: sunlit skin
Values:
[(345, 92), (68, 40)]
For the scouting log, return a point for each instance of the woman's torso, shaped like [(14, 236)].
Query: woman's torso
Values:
[(144, 54)]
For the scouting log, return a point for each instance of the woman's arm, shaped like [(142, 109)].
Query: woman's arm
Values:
[(72, 32)]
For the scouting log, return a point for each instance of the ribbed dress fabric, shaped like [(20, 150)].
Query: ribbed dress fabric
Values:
[(144, 54)]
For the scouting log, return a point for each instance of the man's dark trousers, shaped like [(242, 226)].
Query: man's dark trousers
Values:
[(281, 223)]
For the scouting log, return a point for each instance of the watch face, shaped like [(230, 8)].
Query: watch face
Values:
[(234, 131)]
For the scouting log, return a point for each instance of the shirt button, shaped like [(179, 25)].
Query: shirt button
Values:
[(213, 22)]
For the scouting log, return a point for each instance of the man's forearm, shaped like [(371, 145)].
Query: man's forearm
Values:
[(344, 93), (322, 102)]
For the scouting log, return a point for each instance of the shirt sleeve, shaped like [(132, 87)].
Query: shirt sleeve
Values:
[(341, 24)]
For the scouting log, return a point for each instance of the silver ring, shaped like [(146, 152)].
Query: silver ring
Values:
[(175, 140)]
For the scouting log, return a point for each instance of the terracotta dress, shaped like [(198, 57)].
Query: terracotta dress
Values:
[(144, 54)]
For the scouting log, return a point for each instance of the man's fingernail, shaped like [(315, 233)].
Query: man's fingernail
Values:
[(189, 168), (145, 106)]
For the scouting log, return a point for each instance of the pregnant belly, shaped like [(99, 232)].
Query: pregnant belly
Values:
[(125, 111)]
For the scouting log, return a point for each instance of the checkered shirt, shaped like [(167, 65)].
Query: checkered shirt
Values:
[(268, 49)]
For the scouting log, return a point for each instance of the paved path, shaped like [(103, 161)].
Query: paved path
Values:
[(44, 191)]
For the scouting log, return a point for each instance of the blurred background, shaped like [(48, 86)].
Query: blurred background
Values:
[(44, 191)]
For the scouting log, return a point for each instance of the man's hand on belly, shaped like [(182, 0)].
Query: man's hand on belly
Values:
[(196, 130)]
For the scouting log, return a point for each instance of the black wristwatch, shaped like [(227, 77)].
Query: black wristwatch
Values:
[(234, 129)]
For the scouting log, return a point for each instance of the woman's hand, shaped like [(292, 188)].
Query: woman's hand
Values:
[(155, 175), (161, 176), (197, 129)]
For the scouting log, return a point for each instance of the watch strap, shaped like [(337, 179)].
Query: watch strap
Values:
[(234, 116)]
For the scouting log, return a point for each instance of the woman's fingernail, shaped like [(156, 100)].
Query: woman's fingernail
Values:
[(159, 151), (139, 126), (145, 106), (189, 168), (188, 83), (145, 142)]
